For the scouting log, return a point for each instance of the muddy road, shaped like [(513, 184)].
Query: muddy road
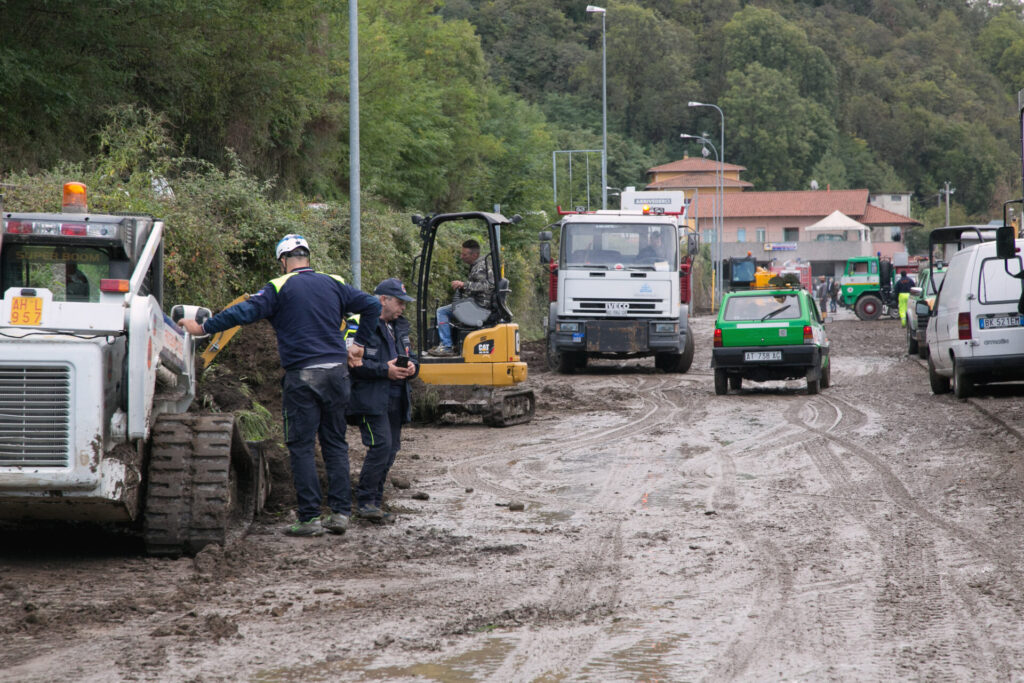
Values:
[(872, 532)]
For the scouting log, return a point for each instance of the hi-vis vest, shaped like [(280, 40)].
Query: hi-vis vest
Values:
[(349, 326)]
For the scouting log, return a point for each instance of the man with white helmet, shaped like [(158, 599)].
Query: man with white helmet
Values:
[(306, 309)]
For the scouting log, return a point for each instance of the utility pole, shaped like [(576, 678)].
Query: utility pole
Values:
[(355, 210), (947, 191)]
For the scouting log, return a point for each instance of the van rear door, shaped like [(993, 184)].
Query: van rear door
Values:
[(996, 324)]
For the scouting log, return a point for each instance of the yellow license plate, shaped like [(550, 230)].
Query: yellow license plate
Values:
[(26, 310)]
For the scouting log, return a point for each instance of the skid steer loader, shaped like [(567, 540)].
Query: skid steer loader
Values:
[(486, 341), (95, 382)]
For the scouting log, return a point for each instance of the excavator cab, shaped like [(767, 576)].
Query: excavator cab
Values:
[(486, 341)]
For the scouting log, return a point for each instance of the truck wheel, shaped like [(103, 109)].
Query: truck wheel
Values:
[(940, 384), (912, 345), (963, 386), (203, 484), (567, 362), (735, 382), (868, 307), (553, 357), (721, 382)]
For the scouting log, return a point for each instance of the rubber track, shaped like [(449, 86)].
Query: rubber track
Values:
[(511, 408), (188, 497)]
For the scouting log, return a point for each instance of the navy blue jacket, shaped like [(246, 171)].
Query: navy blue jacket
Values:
[(370, 383), (306, 309)]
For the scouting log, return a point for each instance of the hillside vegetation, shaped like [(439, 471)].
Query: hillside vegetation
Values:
[(242, 107)]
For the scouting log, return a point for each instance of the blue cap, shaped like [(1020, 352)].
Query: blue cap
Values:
[(393, 287)]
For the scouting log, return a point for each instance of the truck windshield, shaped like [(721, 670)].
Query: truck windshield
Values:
[(71, 273), (618, 245)]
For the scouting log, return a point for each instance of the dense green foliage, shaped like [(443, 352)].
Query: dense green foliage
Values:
[(242, 106)]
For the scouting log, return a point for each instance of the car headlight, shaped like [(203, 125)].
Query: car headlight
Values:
[(666, 328), (568, 327)]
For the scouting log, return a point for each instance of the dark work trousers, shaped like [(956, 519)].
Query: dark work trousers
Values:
[(314, 404), (382, 436)]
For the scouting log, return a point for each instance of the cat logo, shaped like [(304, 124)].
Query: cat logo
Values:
[(484, 348)]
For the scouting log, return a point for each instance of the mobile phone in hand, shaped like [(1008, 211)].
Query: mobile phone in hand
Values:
[(402, 361)]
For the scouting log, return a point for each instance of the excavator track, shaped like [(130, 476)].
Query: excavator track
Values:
[(204, 485), (511, 407)]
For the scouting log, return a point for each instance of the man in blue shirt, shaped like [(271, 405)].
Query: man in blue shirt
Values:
[(306, 309), (381, 400)]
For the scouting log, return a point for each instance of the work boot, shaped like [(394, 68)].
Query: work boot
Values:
[(372, 513), (441, 351), (311, 527), (335, 522)]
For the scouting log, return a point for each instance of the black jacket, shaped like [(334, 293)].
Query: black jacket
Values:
[(370, 381)]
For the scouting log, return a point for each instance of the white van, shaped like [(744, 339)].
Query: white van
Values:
[(975, 333)]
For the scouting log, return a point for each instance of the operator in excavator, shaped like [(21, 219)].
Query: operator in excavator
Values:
[(306, 309), (479, 286)]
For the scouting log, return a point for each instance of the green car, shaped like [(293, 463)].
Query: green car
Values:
[(770, 334)]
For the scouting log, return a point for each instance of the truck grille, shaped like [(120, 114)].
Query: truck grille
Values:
[(643, 307), (35, 416)]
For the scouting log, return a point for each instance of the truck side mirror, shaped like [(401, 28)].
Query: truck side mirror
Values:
[(544, 235), (545, 253), (692, 244), (1006, 246)]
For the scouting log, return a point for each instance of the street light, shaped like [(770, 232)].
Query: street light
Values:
[(721, 189), (593, 9), (718, 213)]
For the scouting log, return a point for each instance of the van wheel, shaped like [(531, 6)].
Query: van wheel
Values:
[(912, 345), (826, 372), (963, 386), (940, 384), (813, 385), (868, 307), (721, 382), (735, 382)]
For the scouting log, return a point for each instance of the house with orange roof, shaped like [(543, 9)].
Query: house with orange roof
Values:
[(773, 225)]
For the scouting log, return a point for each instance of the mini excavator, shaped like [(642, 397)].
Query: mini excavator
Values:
[(486, 362)]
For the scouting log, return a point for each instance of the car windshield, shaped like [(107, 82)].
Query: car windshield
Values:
[(619, 245), (762, 307)]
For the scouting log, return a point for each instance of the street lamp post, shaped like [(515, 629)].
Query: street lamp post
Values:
[(593, 9), (721, 189), (718, 213)]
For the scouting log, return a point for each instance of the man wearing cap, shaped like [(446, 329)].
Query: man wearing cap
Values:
[(306, 309), (381, 400)]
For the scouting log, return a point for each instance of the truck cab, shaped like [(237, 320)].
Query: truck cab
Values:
[(620, 289)]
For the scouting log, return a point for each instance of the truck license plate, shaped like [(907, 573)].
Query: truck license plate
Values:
[(616, 307), (999, 321), (754, 356), (26, 310)]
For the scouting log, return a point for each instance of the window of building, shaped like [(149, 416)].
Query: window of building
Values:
[(762, 234), (707, 236), (790, 234), (741, 234)]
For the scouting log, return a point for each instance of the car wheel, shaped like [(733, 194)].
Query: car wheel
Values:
[(813, 386), (826, 372), (963, 386), (912, 345), (721, 382), (868, 307), (735, 382), (940, 384)]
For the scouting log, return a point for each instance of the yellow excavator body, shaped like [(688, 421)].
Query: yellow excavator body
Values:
[(490, 357)]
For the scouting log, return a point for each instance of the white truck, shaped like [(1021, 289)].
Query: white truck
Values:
[(95, 380), (620, 285)]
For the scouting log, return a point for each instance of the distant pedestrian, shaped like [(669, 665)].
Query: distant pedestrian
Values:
[(822, 294), (381, 400), (902, 290), (833, 294)]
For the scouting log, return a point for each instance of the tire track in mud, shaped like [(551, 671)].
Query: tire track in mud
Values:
[(915, 594)]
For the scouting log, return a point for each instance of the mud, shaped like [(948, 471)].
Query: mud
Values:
[(871, 532)]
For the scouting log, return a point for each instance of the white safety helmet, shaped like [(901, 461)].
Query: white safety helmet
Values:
[(289, 243)]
